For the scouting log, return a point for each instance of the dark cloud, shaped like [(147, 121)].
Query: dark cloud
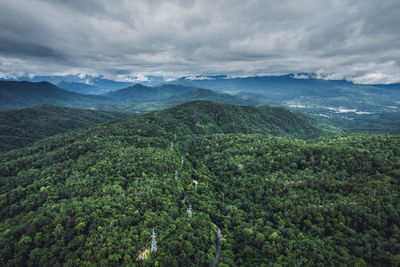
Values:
[(355, 39), (20, 48)]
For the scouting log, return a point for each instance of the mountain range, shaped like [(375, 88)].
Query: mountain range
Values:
[(309, 94), (190, 95), (339, 103), (94, 84), (139, 93), (15, 95), (134, 99)]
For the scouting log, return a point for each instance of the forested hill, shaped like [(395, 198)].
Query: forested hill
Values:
[(140, 92), (80, 88), (16, 95), (19, 128), (208, 117), (142, 107), (95, 196), (208, 95)]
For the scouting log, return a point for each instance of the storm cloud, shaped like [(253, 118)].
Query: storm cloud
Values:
[(357, 40)]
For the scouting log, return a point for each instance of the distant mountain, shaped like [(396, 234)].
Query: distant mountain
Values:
[(206, 94), (197, 94), (339, 102), (108, 85), (140, 92), (290, 90), (19, 128), (93, 86), (98, 81), (98, 84), (15, 95), (80, 88), (280, 88)]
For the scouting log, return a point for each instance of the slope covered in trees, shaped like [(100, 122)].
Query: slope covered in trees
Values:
[(140, 92), (17, 95), (198, 94), (207, 117), (94, 196), (208, 95), (19, 128), (80, 88), (354, 107)]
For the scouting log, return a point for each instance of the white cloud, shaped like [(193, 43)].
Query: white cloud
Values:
[(377, 78), (356, 40)]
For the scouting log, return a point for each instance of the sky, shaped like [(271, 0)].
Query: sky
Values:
[(358, 40)]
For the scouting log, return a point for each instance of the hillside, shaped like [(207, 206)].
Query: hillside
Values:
[(80, 88), (140, 92), (207, 117), (76, 81), (208, 95), (337, 100), (197, 94), (19, 128), (16, 95), (95, 196)]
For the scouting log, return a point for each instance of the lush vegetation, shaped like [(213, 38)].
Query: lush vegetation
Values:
[(80, 88), (367, 108), (380, 123), (340, 105), (140, 92), (203, 117), (93, 197), (19, 128)]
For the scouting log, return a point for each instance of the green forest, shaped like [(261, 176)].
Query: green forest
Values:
[(19, 128), (186, 186)]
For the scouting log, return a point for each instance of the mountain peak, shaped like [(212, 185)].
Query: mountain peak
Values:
[(138, 85)]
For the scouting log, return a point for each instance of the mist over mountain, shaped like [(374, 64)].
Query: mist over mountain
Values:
[(89, 84), (80, 88), (140, 107), (337, 99)]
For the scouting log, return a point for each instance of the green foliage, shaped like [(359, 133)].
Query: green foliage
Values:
[(140, 92), (94, 196), (203, 117), (180, 97), (19, 128)]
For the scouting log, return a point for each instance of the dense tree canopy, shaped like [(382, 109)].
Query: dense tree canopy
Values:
[(19, 128), (93, 197)]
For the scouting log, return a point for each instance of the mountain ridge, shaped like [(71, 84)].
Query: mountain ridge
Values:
[(22, 127), (14, 95), (139, 92), (208, 117)]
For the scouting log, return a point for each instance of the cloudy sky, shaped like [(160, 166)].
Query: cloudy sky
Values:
[(357, 40)]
